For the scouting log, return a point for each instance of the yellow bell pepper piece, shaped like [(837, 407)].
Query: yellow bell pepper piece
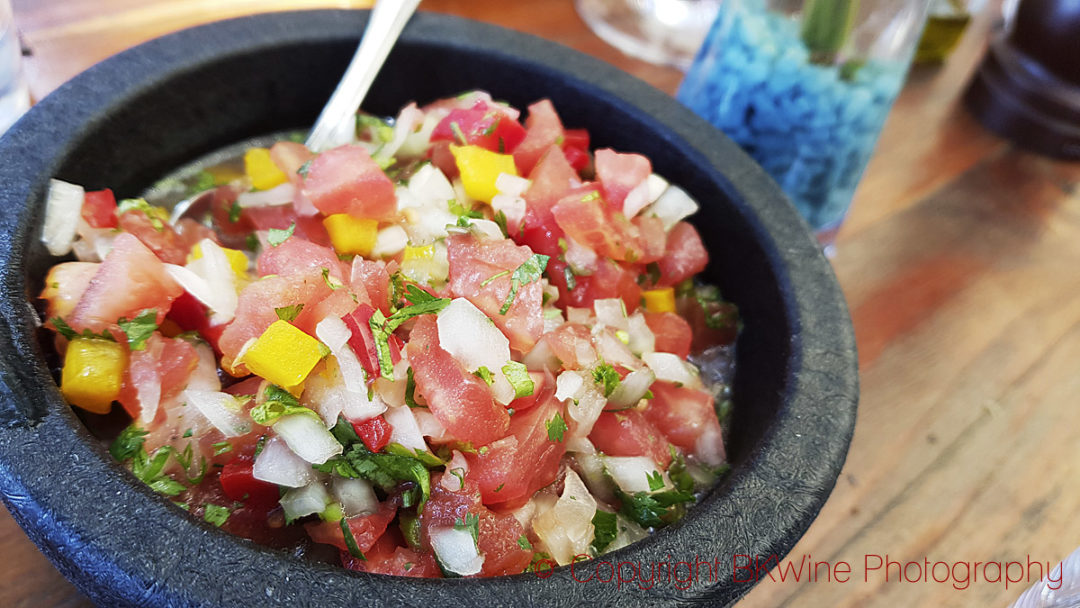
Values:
[(93, 373), (350, 235), (479, 167), (659, 300), (262, 171), (425, 252), (237, 260), (283, 355)]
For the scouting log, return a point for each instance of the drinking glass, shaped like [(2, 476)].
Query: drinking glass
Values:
[(14, 94), (665, 32)]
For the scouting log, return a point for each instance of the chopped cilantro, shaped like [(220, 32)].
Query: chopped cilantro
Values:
[(470, 523), (187, 434), (304, 169), (490, 130), (203, 181), (500, 219), (222, 447), (430, 460), (656, 481), (410, 389), (139, 330), (485, 374), (65, 330), (556, 427), (606, 376), (234, 212), (592, 196), (278, 402), (331, 281), (524, 543), (350, 540), (654, 510), (156, 215), (376, 126), (604, 524), (415, 295), (382, 327), (571, 279), (276, 236), (387, 470), (461, 211), (488, 280), (530, 271), (518, 375), (128, 443), (251, 242), (458, 133), (499, 489), (678, 473), (216, 514), (288, 313)]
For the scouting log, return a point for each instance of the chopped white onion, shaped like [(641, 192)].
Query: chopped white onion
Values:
[(637, 199), (417, 142), (670, 368), (486, 229), (308, 500), (626, 532), (429, 184), (656, 185), (585, 408), (278, 464), (63, 208), (611, 312), (632, 388), (430, 426), (513, 208), (221, 409), (308, 438), (218, 287), (566, 528), (673, 206), (511, 185), (581, 259), (205, 377), (389, 242), (613, 350), (709, 447), (456, 550), (408, 119), (404, 429), (632, 473), (474, 341), (642, 339), (568, 385), (454, 477), (355, 495), (333, 332), (282, 194)]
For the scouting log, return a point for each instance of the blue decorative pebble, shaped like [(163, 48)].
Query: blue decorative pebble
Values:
[(811, 130)]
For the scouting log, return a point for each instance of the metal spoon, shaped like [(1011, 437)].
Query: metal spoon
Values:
[(332, 128)]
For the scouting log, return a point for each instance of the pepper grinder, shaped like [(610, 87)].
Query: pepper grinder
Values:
[(1027, 87)]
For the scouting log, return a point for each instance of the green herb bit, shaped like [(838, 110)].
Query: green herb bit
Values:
[(139, 330), (216, 514), (524, 543), (556, 428), (278, 402), (458, 133), (156, 215), (470, 523), (529, 271), (462, 211), (128, 443), (222, 447), (410, 389), (605, 375), (305, 169), (571, 278), (187, 433), (414, 295), (654, 510), (350, 540), (656, 481), (234, 212), (65, 330), (591, 196), (331, 281), (276, 236), (203, 182), (605, 526), (251, 242), (518, 376), (500, 219), (288, 313), (485, 374)]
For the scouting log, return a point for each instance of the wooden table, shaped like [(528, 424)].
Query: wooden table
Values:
[(961, 264)]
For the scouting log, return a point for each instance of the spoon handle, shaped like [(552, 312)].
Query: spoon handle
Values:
[(388, 18)]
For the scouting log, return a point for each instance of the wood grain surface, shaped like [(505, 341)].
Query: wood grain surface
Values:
[(961, 264)]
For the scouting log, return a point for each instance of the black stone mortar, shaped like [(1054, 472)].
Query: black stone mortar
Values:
[(133, 118)]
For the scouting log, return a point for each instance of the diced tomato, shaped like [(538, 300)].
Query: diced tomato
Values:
[(374, 277), (347, 180), (374, 432), (672, 332), (542, 130), (610, 280), (388, 556), (725, 321), (474, 266), (156, 374), (229, 222), (484, 125), (129, 280), (514, 468), (99, 209), (460, 401), (65, 285), (366, 529), (684, 257), (551, 180), (630, 433), (620, 173), (289, 156), (587, 219), (652, 237), (576, 146), (578, 158), (498, 532), (683, 415), (255, 310), (439, 154), (571, 343), (156, 234), (299, 256), (239, 483), (362, 340), (191, 232)]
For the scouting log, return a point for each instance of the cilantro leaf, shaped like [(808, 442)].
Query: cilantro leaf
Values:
[(350, 540), (156, 215), (216, 514), (304, 169), (604, 524), (139, 330), (278, 402), (64, 329), (410, 389), (523, 542), (500, 220), (485, 374), (331, 281), (470, 523), (461, 211), (654, 510), (430, 460), (128, 443), (656, 481), (222, 447), (388, 470), (606, 376), (678, 473), (382, 327), (288, 313), (518, 375), (530, 271), (571, 278), (556, 427), (234, 212), (276, 236), (415, 295), (203, 181)]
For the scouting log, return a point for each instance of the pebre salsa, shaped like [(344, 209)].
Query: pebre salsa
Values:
[(464, 344)]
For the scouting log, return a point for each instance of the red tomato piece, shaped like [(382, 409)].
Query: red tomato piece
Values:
[(289, 156), (577, 157), (610, 280), (673, 334), (388, 556), (374, 432), (156, 234), (362, 340), (684, 257), (551, 180), (347, 180), (683, 414), (543, 129), (299, 256), (239, 483), (571, 343), (483, 125), (629, 433), (514, 468), (439, 154), (652, 237), (587, 219), (366, 529), (99, 209), (129, 280), (474, 263), (460, 401), (159, 372), (619, 173), (374, 278)]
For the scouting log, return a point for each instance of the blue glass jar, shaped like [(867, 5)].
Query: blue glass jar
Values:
[(810, 118)]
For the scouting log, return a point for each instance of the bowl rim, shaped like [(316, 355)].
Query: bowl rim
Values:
[(822, 374)]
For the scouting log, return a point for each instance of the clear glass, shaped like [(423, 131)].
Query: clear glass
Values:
[(805, 91), (14, 94), (665, 32)]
